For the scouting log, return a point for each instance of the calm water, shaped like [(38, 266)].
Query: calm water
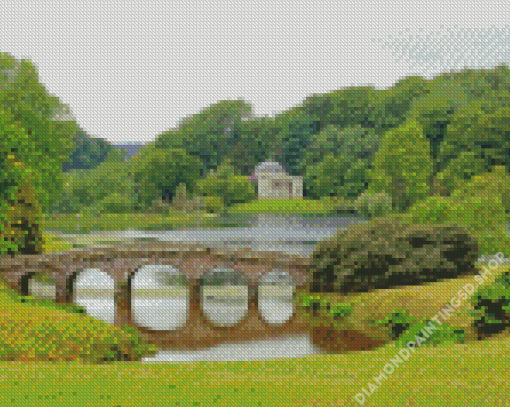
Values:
[(286, 233)]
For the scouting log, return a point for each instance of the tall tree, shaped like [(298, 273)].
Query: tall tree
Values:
[(402, 167), (19, 202), (160, 171), (88, 152), (26, 101), (212, 133), (297, 130)]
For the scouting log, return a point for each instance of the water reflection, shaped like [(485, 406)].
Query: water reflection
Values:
[(267, 349), (224, 296), (95, 290), (42, 287), (276, 294), (159, 298)]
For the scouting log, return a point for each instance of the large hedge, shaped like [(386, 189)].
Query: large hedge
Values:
[(388, 252)]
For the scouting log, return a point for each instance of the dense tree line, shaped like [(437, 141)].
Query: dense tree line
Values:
[(416, 139)]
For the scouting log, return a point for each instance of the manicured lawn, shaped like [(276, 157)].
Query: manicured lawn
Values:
[(292, 206)]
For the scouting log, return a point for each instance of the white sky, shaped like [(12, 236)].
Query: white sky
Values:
[(131, 71)]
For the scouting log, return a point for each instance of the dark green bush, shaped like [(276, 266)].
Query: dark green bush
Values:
[(445, 333), (492, 307), (387, 253), (398, 322)]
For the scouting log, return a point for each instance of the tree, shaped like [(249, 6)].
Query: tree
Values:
[(19, 205), (116, 155), (257, 139), (212, 133), (356, 142), (227, 184), (88, 152), (160, 171), (402, 167), (461, 169), (341, 176), (297, 129), (25, 100)]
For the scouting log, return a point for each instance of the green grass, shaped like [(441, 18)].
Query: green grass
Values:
[(291, 206), (32, 329)]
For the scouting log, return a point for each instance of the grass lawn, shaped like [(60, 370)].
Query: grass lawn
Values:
[(292, 206)]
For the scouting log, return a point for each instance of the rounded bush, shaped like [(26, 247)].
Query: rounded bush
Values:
[(213, 204), (371, 205), (388, 252)]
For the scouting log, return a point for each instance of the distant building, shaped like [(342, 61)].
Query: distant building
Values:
[(274, 183)]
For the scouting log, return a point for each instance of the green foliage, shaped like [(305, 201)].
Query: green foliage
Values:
[(483, 196), (116, 203), (26, 103), (479, 204), (336, 176), (402, 166), (398, 321), (213, 204), (210, 134), (84, 190), (371, 205), (20, 208), (388, 252), (459, 170), (116, 155), (88, 152), (492, 306), (297, 129), (445, 333), (160, 171), (226, 184)]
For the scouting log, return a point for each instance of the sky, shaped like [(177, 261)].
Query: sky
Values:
[(129, 72)]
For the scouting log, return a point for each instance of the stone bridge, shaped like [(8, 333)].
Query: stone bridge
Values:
[(122, 262)]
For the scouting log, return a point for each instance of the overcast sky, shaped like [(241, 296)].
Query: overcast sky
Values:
[(131, 71)]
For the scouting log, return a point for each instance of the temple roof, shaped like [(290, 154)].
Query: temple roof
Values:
[(267, 166)]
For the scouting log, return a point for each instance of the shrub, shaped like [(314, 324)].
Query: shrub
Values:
[(213, 204), (372, 205), (115, 204), (445, 333), (227, 185), (492, 307), (398, 322), (386, 253)]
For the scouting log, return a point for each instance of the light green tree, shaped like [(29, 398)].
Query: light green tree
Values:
[(402, 167)]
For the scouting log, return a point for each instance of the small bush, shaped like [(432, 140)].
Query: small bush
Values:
[(398, 322), (387, 253), (445, 333), (373, 205), (492, 307), (213, 204)]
